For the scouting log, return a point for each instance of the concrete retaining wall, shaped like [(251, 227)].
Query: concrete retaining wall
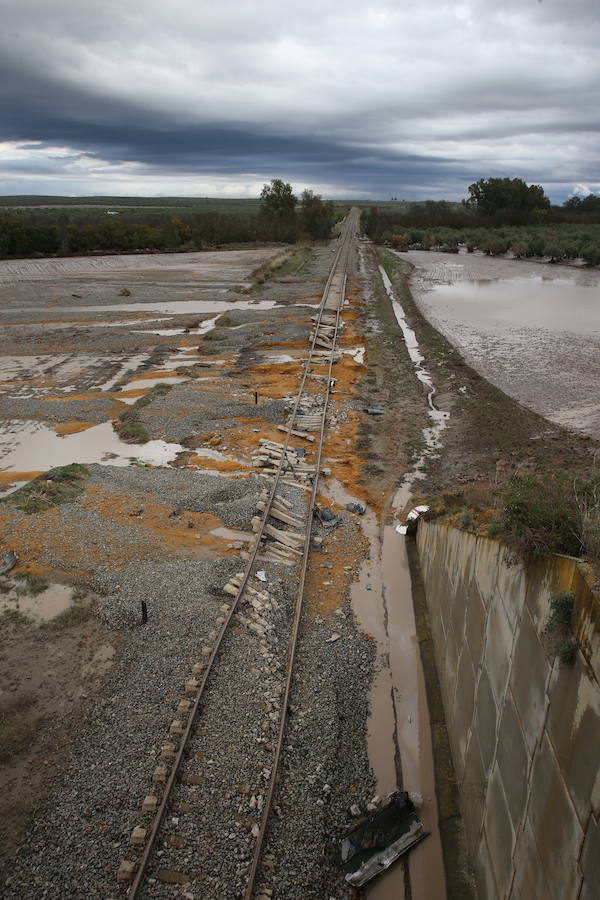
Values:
[(524, 729)]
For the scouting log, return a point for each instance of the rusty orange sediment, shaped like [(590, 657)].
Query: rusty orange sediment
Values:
[(190, 460), (9, 477), (72, 427), (151, 533), (180, 531)]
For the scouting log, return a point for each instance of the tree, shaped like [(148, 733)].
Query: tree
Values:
[(506, 195), (277, 200), (370, 222), (317, 217), (584, 206)]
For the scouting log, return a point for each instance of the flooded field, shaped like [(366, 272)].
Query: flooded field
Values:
[(208, 266), (74, 352), (532, 329)]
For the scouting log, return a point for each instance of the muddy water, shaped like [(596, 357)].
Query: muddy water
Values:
[(399, 738), (43, 607), (29, 446), (531, 329)]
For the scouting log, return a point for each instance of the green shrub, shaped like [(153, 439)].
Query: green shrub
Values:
[(133, 432), (60, 485), (590, 254), (558, 628), (540, 517)]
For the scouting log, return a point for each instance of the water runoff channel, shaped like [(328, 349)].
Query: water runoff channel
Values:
[(399, 738)]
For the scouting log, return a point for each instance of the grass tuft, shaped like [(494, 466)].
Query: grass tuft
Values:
[(60, 485)]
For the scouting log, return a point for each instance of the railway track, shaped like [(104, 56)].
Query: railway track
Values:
[(282, 530)]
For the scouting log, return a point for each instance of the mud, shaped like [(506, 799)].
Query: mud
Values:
[(51, 602), (211, 421), (531, 329)]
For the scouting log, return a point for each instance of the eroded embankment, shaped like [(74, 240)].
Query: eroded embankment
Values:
[(489, 437)]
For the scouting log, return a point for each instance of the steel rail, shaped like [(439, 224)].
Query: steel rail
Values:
[(295, 631), (150, 842)]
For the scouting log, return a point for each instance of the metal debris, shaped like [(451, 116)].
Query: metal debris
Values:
[(411, 520), (372, 846), (356, 508), (326, 517), (8, 562)]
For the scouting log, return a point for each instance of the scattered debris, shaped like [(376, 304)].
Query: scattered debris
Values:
[(326, 517), (334, 637), (262, 576), (8, 562), (411, 520), (372, 846), (375, 410), (356, 508)]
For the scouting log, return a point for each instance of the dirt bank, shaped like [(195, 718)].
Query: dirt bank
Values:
[(489, 436)]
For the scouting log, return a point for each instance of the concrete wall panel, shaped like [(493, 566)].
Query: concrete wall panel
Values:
[(558, 834), (524, 729)]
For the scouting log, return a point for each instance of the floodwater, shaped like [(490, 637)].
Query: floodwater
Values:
[(30, 446), (532, 329)]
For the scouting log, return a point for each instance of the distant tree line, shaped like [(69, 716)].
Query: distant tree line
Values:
[(501, 215), (54, 232)]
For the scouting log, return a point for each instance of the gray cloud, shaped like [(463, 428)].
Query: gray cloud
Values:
[(405, 99)]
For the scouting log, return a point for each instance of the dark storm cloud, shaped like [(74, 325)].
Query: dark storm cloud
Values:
[(404, 99)]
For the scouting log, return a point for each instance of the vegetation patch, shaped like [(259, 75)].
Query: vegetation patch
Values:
[(501, 216), (60, 485), (545, 515), (558, 630), (32, 584), (128, 426)]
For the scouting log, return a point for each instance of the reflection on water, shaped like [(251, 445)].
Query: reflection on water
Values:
[(525, 301), (30, 446)]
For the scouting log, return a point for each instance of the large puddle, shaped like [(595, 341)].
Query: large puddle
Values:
[(45, 606), (30, 446), (531, 329)]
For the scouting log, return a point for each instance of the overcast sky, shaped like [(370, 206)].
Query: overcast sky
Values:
[(354, 99)]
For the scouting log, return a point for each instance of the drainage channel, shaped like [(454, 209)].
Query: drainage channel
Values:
[(399, 739)]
